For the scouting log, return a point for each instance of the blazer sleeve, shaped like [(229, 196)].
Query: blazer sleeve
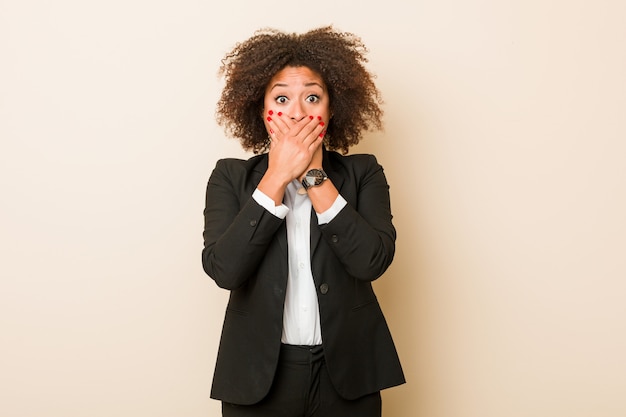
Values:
[(362, 235), (237, 230)]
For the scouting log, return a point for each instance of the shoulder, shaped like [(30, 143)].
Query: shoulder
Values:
[(241, 166), (240, 174), (240, 163), (360, 162)]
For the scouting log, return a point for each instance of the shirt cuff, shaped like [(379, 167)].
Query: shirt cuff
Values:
[(328, 215), (268, 204)]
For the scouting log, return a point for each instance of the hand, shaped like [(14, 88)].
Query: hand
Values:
[(294, 146)]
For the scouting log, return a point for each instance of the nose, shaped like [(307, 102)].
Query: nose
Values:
[(296, 112)]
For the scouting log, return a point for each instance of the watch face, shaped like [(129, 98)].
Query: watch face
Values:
[(314, 177)]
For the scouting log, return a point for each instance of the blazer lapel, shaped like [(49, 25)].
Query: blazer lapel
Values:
[(337, 180), (316, 233)]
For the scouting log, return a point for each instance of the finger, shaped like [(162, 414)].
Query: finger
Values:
[(319, 139), (304, 128), (274, 125), (298, 129), (272, 137), (301, 129), (282, 122), (316, 129)]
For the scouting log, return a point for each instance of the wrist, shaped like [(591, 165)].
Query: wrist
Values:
[(276, 178), (273, 186)]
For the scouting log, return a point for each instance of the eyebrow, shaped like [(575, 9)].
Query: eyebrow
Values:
[(312, 83)]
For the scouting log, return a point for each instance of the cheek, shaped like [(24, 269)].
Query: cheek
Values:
[(268, 104), (266, 112), (319, 109), (326, 114)]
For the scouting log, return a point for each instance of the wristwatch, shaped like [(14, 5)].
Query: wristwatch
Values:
[(313, 178)]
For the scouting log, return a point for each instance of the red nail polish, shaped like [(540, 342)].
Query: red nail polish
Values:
[(318, 117), (269, 119), (321, 123), (323, 133), (311, 117), (280, 113), (271, 132), (271, 112)]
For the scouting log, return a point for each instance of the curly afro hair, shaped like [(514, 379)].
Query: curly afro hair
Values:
[(338, 57)]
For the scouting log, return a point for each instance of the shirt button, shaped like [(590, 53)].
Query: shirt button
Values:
[(334, 238), (252, 222), (324, 288)]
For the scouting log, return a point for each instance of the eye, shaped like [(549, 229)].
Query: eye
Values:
[(281, 99), (313, 98)]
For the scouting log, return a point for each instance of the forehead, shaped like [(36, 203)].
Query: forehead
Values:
[(296, 76)]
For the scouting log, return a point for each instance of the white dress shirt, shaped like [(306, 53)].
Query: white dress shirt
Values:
[(301, 318)]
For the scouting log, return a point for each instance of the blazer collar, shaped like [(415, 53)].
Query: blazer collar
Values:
[(332, 169)]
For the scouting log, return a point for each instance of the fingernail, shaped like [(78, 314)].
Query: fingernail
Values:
[(280, 113), (318, 117), (269, 119), (271, 131), (323, 133), (271, 112), (321, 123), (311, 117)]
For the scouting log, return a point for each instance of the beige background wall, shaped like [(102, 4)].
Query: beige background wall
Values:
[(505, 150)]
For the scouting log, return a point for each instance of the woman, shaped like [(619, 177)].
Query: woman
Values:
[(298, 232)]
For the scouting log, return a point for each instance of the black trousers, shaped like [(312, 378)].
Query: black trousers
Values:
[(302, 388)]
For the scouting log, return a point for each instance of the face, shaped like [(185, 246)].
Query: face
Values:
[(297, 92)]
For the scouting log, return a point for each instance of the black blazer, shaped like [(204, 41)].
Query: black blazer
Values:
[(245, 251)]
